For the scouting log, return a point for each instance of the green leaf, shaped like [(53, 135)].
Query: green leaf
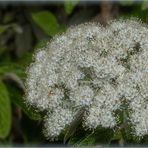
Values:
[(47, 21), (3, 28), (17, 98), (70, 5), (5, 112), (13, 68), (25, 61), (117, 135), (41, 44), (89, 140)]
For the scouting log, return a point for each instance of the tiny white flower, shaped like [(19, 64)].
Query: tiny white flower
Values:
[(95, 67)]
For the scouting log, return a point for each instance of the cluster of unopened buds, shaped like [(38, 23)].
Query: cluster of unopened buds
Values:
[(101, 69)]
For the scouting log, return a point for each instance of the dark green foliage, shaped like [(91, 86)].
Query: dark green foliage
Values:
[(24, 29), (70, 5), (99, 136), (47, 21), (5, 111)]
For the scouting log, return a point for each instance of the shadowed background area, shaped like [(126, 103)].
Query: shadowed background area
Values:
[(27, 26)]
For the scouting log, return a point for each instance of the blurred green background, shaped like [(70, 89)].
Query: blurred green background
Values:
[(27, 26)]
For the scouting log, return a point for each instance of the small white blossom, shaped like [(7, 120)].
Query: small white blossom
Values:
[(93, 67), (55, 123), (82, 96)]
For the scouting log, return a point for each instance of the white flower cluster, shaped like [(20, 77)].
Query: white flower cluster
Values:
[(93, 67)]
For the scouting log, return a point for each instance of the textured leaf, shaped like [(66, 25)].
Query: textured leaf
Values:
[(70, 5), (5, 112), (87, 141), (47, 21)]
